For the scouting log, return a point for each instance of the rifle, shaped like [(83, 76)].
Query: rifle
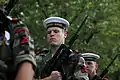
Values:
[(58, 61), (75, 36), (105, 71)]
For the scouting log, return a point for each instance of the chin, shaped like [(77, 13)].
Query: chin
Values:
[(53, 44), (88, 71)]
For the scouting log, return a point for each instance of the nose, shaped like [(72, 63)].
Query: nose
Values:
[(87, 65), (52, 33)]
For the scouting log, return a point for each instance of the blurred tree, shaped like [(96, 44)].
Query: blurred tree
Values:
[(100, 34)]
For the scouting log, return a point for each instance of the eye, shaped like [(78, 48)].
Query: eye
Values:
[(48, 32), (89, 63), (56, 31)]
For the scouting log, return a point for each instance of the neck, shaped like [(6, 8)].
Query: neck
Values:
[(54, 48), (92, 75)]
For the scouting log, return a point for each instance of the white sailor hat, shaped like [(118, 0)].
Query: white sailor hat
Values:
[(56, 22), (90, 57)]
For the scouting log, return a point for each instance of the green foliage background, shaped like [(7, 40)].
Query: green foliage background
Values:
[(100, 34)]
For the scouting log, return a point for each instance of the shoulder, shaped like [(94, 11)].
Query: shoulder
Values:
[(42, 57)]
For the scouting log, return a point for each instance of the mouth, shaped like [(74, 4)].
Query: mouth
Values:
[(52, 40), (88, 70)]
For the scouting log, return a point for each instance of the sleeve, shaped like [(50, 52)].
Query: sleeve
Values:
[(23, 45)]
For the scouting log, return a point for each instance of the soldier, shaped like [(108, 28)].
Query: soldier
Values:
[(17, 60), (91, 61), (56, 35)]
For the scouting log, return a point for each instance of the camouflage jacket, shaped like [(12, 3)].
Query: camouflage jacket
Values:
[(96, 77), (42, 59), (18, 49)]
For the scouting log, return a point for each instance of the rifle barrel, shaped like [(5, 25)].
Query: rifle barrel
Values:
[(74, 37), (105, 71)]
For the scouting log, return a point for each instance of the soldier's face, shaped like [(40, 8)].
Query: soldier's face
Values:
[(91, 67), (56, 36)]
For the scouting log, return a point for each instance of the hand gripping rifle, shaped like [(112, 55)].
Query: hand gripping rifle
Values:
[(58, 61), (105, 71), (75, 36)]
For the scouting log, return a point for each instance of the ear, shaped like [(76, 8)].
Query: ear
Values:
[(65, 34), (97, 66)]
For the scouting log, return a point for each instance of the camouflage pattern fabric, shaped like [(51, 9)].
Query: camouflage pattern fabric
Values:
[(23, 45), (43, 58), (17, 50)]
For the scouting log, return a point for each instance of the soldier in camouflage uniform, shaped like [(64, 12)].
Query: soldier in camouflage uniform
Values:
[(17, 60), (56, 35)]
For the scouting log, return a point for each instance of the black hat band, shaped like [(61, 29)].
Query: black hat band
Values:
[(60, 25), (90, 59)]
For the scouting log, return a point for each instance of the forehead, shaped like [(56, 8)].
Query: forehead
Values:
[(54, 28)]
